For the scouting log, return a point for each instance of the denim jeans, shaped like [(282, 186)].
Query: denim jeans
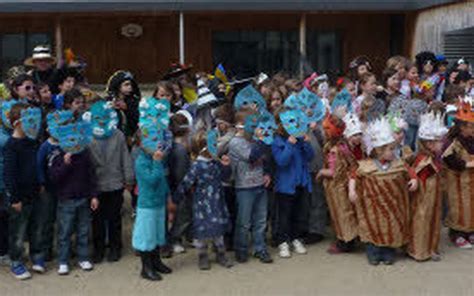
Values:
[(26, 225), (3, 226), (47, 208), (251, 216), (73, 215)]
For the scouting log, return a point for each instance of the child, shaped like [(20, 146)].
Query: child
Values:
[(250, 181), (75, 102), (44, 97), (165, 90), (379, 189), (4, 258), (292, 153), (149, 230), (21, 189), (426, 203), (341, 156), (401, 65), (23, 88), (180, 126), (366, 106), (114, 172), (210, 216), (460, 162), (71, 172), (399, 126), (66, 80)]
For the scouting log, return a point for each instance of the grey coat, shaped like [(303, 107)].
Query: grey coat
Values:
[(112, 162)]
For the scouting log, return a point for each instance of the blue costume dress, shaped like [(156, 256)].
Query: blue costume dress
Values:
[(149, 229), (210, 215)]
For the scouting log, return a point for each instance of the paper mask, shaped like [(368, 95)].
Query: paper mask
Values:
[(267, 125), (74, 137), (154, 112), (103, 119), (247, 97), (212, 142), (312, 105), (6, 109), (343, 98), (152, 138), (31, 122), (56, 119), (295, 122), (251, 122)]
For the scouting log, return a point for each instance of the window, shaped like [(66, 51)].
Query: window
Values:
[(247, 53), (15, 48)]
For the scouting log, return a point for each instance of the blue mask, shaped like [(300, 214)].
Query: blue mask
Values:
[(251, 122), (247, 97), (31, 122), (295, 122), (152, 138), (154, 112), (74, 137), (292, 102), (343, 98), (103, 119), (56, 119), (266, 123), (6, 109), (212, 142), (312, 105)]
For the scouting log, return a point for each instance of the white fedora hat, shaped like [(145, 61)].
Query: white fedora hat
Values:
[(40, 52)]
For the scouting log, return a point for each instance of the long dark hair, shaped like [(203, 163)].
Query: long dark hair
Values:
[(18, 81)]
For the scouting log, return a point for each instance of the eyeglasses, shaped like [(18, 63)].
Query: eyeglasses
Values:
[(30, 87)]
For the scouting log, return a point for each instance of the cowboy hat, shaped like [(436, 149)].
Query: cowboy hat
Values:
[(40, 52)]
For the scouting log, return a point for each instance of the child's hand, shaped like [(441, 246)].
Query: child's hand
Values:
[(17, 206), (413, 185), (267, 180), (129, 188), (67, 158), (470, 164), (259, 133), (158, 155), (292, 140), (225, 160), (306, 138), (94, 203), (319, 175)]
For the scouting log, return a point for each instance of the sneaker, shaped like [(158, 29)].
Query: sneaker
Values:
[(471, 238), (5, 260), (178, 249), (20, 272), (298, 247), (39, 266), (63, 269), (284, 250), (263, 256), (203, 262), (462, 243), (86, 265), (334, 249)]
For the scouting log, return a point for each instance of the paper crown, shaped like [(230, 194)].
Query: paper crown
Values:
[(397, 123), (212, 136), (103, 119), (465, 110), (247, 97), (205, 96), (432, 127), (154, 112), (378, 134), (353, 125)]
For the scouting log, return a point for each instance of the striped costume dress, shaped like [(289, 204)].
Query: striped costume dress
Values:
[(426, 206), (460, 189), (343, 216), (382, 206)]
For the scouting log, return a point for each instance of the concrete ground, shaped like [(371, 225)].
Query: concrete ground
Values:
[(316, 273)]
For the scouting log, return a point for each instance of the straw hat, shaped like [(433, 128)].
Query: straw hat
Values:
[(40, 52)]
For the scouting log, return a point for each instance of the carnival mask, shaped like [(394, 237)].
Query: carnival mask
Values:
[(6, 109), (251, 122), (31, 122), (155, 112), (267, 126), (103, 119), (212, 142), (247, 97), (312, 105), (295, 122), (74, 137), (56, 119), (152, 138), (343, 98)]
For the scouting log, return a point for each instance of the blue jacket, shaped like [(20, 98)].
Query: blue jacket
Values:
[(292, 165)]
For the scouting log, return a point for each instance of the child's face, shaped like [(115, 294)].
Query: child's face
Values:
[(126, 88), (463, 67), (370, 87), (399, 137), (467, 130), (265, 90), (393, 83), (164, 94), (412, 74), (385, 153), (177, 90), (402, 72), (428, 68), (78, 105), (26, 90), (45, 95), (355, 140), (362, 69), (67, 84), (276, 101), (351, 88), (442, 68), (222, 127), (434, 146), (453, 76)]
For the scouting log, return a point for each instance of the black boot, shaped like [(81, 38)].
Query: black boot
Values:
[(223, 260), (158, 265), (147, 267), (204, 263)]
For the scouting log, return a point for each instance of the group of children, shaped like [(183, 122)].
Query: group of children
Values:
[(385, 161)]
